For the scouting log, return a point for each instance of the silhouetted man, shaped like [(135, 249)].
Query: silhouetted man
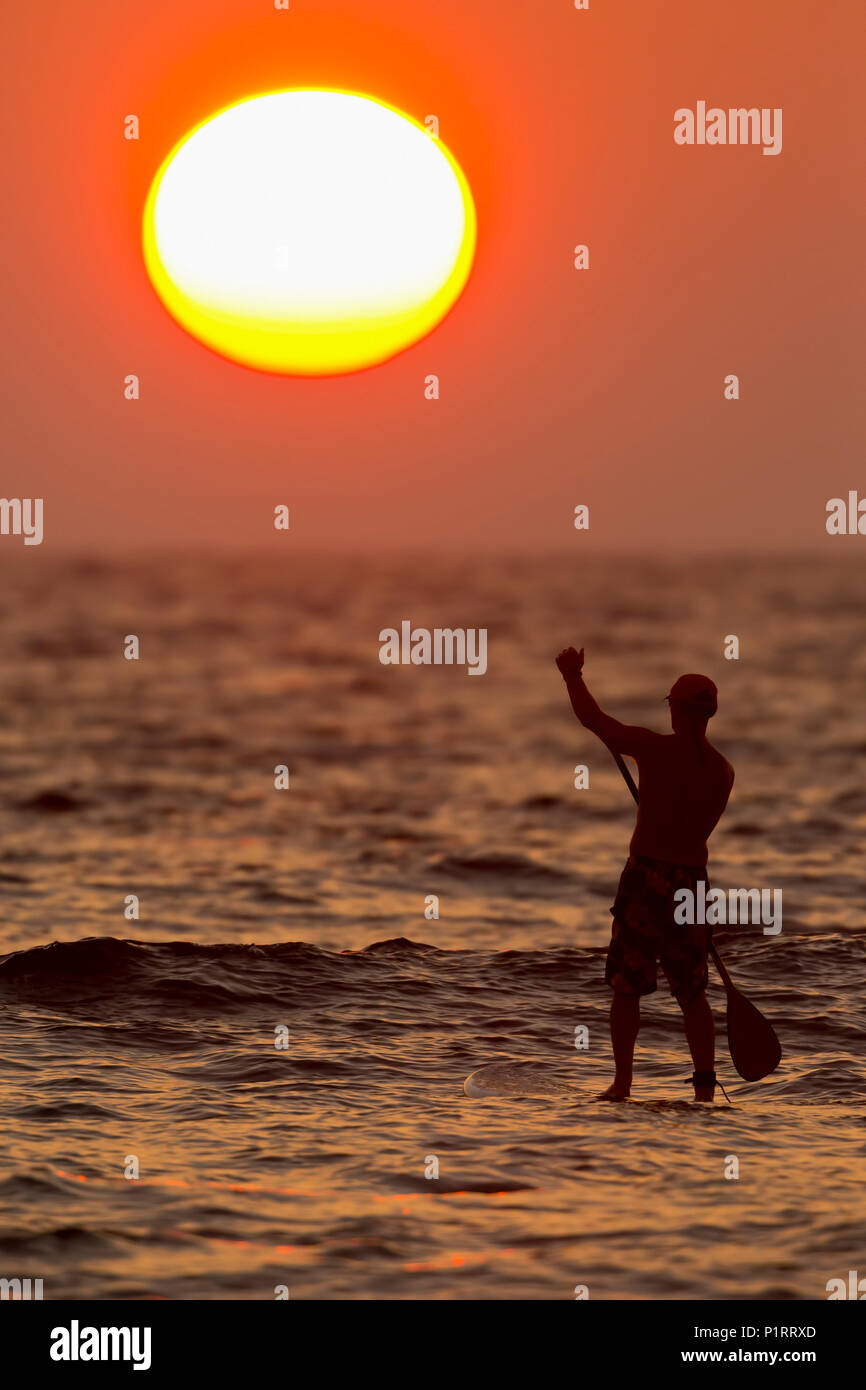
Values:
[(684, 788)]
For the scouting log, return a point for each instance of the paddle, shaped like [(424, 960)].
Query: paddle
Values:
[(755, 1050)]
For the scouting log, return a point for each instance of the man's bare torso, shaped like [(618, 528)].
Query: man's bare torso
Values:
[(684, 788)]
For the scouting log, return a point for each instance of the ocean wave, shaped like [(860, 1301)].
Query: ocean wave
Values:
[(499, 866)]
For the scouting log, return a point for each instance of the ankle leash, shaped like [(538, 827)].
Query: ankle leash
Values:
[(706, 1078)]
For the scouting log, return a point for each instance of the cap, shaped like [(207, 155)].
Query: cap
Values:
[(699, 692)]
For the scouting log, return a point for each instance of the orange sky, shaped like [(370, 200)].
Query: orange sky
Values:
[(558, 387)]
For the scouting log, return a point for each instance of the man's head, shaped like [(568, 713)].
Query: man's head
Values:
[(693, 700)]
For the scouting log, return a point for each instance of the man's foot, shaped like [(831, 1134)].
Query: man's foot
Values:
[(615, 1091)]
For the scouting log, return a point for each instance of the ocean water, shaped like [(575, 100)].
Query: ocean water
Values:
[(148, 1045)]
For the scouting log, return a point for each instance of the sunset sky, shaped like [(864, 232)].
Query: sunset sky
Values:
[(558, 387)]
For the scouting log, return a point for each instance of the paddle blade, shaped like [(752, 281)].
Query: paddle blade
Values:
[(755, 1049)]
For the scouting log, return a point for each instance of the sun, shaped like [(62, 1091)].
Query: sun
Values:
[(309, 232)]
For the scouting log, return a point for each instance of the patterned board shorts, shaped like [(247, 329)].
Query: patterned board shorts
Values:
[(645, 933)]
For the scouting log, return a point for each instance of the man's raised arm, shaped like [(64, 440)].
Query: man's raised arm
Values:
[(622, 738)]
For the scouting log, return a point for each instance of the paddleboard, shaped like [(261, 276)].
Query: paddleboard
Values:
[(531, 1080), (515, 1079)]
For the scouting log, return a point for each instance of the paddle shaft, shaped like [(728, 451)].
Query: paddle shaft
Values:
[(630, 783)]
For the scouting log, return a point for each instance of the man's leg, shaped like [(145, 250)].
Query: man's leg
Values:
[(701, 1038), (624, 1025)]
